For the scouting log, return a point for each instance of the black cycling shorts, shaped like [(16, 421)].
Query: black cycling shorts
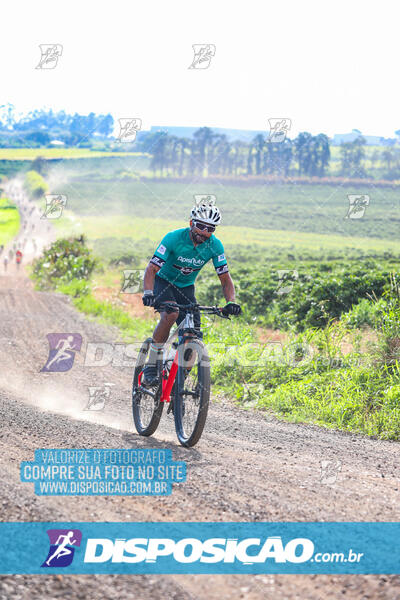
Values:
[(165, 291)]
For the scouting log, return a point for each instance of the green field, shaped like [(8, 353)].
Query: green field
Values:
[(9, 222), (140, 228), (50, 153), (316, 209)]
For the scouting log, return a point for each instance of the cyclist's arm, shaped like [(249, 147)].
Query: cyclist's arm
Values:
[(228, 288), (221, 267), (149, 275), (156, 262)]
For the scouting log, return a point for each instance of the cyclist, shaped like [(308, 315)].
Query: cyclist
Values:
[(18, 257), (171, 273)]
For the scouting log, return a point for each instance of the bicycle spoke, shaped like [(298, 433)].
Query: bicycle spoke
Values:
[(192, 397), (146, 408), (190, 402), (146, 404)]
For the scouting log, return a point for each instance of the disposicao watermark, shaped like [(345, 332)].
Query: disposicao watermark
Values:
[(203, 53)]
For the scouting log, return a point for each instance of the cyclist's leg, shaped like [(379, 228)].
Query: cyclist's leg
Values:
[(186, 295), (163, 292)]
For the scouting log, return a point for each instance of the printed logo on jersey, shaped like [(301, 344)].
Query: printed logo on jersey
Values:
[(161, 249), (221, 270), (157, 261), (221, 257), (196, 262), (185, 270)]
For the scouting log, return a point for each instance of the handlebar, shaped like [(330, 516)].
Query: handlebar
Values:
[(171, 307)]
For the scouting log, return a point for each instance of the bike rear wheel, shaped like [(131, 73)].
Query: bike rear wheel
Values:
[(192, 394), (147, 410)]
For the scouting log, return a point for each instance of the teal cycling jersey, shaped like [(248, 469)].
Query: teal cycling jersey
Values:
[(181, 261)]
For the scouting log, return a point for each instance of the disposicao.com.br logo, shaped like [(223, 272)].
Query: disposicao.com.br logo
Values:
[(206, 547), (190, 550), (168, 551)]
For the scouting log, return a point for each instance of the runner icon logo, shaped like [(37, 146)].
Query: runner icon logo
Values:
[(61, 551), (62, 348)]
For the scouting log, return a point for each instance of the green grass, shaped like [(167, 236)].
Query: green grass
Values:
[(132, 329), (322, 386), (360, 399), (9, 221)]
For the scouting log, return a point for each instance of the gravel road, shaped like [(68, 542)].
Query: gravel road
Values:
[(247, 466)]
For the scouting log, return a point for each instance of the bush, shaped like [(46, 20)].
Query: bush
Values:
[(321, 292), (64, 261), (387, 351), (364, 313), (35, 185), (6, 203)]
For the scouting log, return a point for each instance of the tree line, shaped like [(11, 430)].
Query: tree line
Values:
[(211, 153), (207, 152), (39, 127)]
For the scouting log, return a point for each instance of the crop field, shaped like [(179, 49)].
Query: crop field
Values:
[(9, 221), (141, 228), (320, 210), (50, 153)]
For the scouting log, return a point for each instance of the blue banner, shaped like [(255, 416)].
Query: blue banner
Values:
[(214, 548)]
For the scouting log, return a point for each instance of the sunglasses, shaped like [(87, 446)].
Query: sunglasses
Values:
[(204, 227)]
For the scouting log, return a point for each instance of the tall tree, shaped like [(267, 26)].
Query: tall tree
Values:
[(302, 148), (159, 160), (388, 158), (352, 155), (203, 138), (259, 144)]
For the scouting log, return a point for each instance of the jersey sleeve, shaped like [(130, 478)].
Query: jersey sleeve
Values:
[(163, 250), (219, 260)]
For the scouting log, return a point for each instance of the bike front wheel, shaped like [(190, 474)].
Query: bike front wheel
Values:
[(147, 409), (192, 392)]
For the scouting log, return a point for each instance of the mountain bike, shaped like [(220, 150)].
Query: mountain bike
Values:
[(183, 380)]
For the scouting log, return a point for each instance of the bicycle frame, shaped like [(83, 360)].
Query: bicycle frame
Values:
[(178, 358), (168, 382)]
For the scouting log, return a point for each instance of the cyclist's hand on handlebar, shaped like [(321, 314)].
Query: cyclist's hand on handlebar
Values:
[(148, 298), (231, 308)]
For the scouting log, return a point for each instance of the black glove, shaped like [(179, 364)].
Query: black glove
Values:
[(148, 298), (232, 309)]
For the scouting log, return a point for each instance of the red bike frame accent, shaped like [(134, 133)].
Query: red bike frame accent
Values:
[(166, 383)]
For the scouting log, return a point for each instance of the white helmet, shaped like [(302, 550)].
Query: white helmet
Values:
[(206, 212)]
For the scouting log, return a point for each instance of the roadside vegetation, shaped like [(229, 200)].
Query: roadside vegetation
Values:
[(35, 185), (66, 266), (9, 221), (338, 364)]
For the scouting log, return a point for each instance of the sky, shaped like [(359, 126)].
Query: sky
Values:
[(329, 66)]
